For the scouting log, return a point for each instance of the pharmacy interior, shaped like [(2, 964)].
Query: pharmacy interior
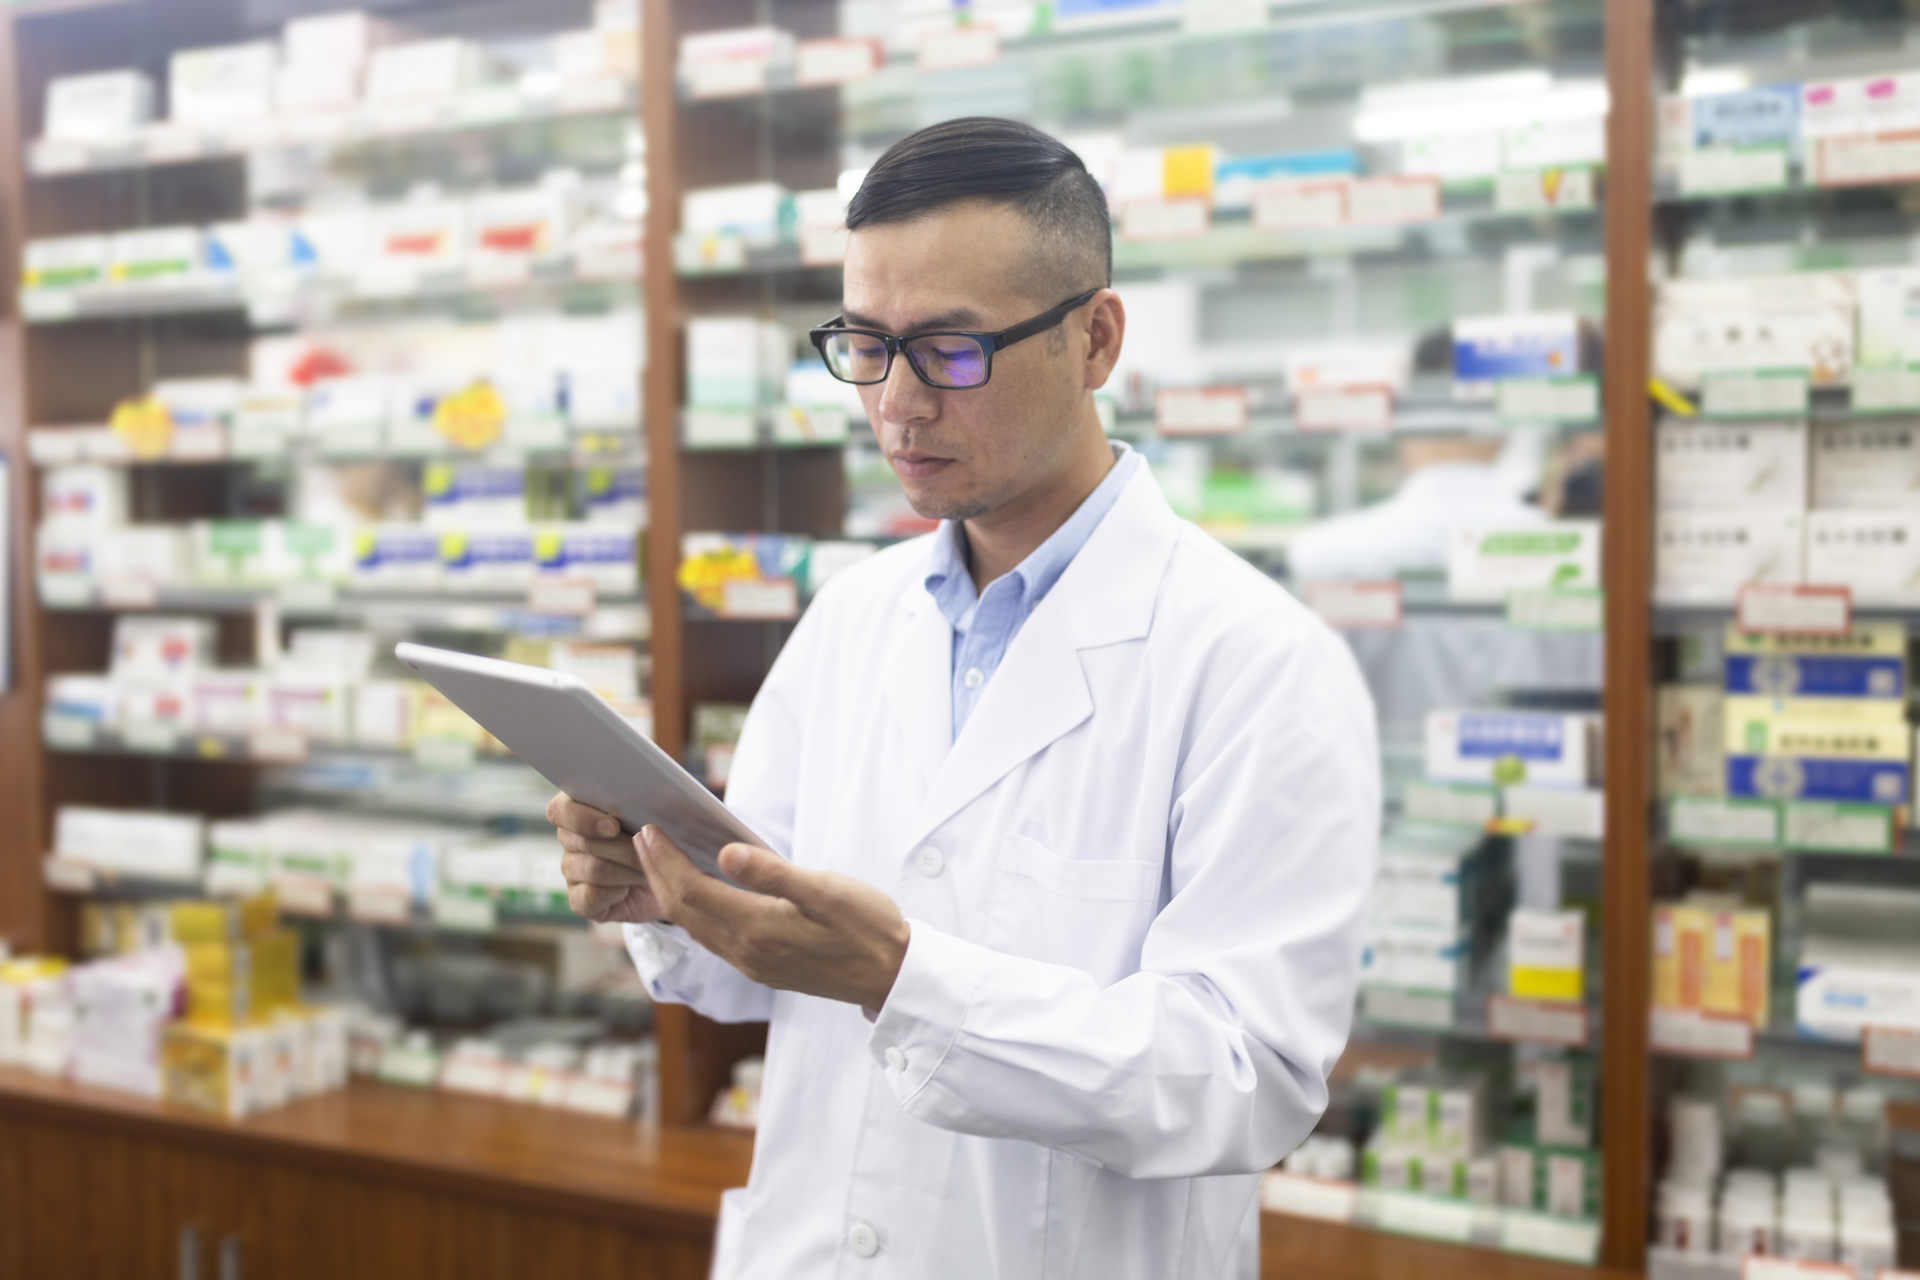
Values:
[(1562, 354)]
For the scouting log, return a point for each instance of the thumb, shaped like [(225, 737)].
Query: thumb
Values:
[(762, 871)]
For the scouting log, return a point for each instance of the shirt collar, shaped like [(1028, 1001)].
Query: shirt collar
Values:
[(951, 586)]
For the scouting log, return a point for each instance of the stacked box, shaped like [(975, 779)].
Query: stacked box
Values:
[(1713, 957)]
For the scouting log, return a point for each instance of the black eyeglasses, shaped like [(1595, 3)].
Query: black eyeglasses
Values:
[(949, 361)]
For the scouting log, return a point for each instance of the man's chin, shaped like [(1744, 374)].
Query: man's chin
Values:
[(935, 506)]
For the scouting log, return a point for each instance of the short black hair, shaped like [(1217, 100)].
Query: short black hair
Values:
[(1007, 163)]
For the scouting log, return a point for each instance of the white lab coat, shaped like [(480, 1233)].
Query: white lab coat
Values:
[(1135, 885)]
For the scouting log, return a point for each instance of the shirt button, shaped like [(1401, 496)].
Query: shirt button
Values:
[(863, 1241), (974, 679), (930, 862), (895, 1058)]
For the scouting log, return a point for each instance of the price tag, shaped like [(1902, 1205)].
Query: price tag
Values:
[(1867, 159), (443, 755), (600, 93), (69, 875), (150, 738), (467, 912), (304, 596), (1722, 170), (716, 252), (1175, 218), (1569, 399), (1357, 606), (565, 597), (498, 270), (378, 905), (400, 1064), (770, 599), (1557, 609), (598, 1097), (946, 48), (1544, 190), (1222, 17), (1699, 820), (472, 1073), (1343, 409), (311, 128), (1847, 828), (66, 591), (50, 158), (1568, 1239), (1890, 1051), (1692, 1033), (836, 61), (303, 895), (129, 593), (1393, 200), (1458, 804), (409, 117), (1431, 1217), (1762, 393), (1573, 814), (1777, 608), (1763, 1268), (1200, 411), (1289, 205), (1324, 1198), (1538, 1021), (67, 733), (726, 77), (1886, 389), (1432, 1010)]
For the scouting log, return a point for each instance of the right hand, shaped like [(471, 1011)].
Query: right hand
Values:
[(604, 881)]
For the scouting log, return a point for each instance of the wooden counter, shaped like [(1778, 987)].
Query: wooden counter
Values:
[(380, 1181)]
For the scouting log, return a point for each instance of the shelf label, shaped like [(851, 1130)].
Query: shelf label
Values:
[(1365, 408), (129, 593), (471, 1073), (150, 737), (596, 1097), (409, 117), (1293, 205), (467, 911), (1795, 609), (1886, 389), (1171, 218), (1575, 398), (1574, 814), (1431, 1010), (1757, 393), (303, 895), (599, 93), (443, 755), (1846, 828), (306, 596), (1724, 170), (1890, 1051), (69, 875), (378, 905), (402, 1065), (1200, 411), (1428, 1216), (1692, 1033), (566, 597), (67, 733), (1462, 804), (1553, 1022), (38, 305), (1864, 159), (1393, 200), (49, 158), (836, 61), (1568, 1239), (765, 599), (288, 746), (1715, 821), (169, 144), (1356, 606), (313, 128), (1544, 190), (1325, 1198), (1756, 1267), (1557, 609), (947, 48), (65, 591)]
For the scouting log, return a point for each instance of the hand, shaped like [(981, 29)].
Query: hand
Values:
[(604, 879), (808, 931)]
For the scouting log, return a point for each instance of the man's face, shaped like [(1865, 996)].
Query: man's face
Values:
[(961, 454)]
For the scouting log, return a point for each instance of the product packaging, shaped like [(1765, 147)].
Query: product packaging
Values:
[(107, 106), (1704, 558)]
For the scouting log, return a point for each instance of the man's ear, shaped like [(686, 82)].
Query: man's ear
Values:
[(1106, 328)]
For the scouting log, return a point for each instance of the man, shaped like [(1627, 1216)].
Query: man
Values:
[(1071, 812)]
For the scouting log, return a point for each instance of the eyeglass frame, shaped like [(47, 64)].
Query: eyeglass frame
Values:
[(990, 343)]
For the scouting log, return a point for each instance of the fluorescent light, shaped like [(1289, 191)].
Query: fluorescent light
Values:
[(1483, 104), (1705, 82)]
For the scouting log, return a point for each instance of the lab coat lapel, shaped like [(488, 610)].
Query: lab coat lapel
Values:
[(918, 681)]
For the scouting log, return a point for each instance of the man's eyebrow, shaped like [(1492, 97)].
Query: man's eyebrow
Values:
[(958, 318)]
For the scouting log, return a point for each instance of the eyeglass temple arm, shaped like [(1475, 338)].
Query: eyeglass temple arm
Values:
[(1044, 321)]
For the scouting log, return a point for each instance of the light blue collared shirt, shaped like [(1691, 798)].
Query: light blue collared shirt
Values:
[(984, 624)]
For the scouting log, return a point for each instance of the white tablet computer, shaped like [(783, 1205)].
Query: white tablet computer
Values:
[(568, 733)]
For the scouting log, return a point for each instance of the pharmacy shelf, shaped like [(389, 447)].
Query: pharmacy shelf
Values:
[(1674, 620), (168, 144), (617, 616), (556, 281), (440, 781), (95, 445)]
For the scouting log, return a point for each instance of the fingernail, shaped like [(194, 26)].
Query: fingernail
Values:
[(608, 828)]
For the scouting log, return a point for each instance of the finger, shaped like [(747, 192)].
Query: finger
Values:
[(681, 887), (765, 871), (568, 814), (620, 851), (593, 901), (584, 868)]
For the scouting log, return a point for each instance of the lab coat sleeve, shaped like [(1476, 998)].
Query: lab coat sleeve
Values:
[(762, 790), (1213, 1058)]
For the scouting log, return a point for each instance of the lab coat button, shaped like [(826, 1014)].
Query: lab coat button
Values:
[(930, 862), (863, 1241), (895, 1058), (973, 678)]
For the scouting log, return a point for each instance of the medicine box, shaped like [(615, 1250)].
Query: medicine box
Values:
[(463, 495), (87, 495), (396, 557), (1738, 964), (1855, 779), (1866, 664), (1546, 954), (143, 843), (761, 213), (435, 71), (348, 416), (1485, 563), (603, 554), (103, 107), (1708, 466), (1874, 554), (735, 362), (381, 713), (1563, 1110), (317, 86), (157, 253), (1510, 747), (1747, 324), (344, 38), (1838, 998), (1692, 761), (1487, 349), (224, 701), (145, 645), (1704, 558), (1889, 316), (1866, 466), (222, 85), (64, 262), (486, 559), (1424, 958)]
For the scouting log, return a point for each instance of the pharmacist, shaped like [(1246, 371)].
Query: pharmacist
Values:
[(1071, 812)]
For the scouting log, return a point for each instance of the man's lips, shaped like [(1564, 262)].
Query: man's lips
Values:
[(919, 466)]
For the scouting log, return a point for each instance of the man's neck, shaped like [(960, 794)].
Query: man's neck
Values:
[(998, 541)]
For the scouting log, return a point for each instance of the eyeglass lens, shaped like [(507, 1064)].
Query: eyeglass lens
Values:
[(945, 360)]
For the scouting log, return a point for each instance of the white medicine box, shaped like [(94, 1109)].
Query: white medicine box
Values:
[(105, 107), (1875, 554), (1511, 747), (1866, 466), (1711, 466), (222, 85), (1704, 558)]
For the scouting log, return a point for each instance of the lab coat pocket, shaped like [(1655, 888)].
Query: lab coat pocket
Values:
[(1090, 913)]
